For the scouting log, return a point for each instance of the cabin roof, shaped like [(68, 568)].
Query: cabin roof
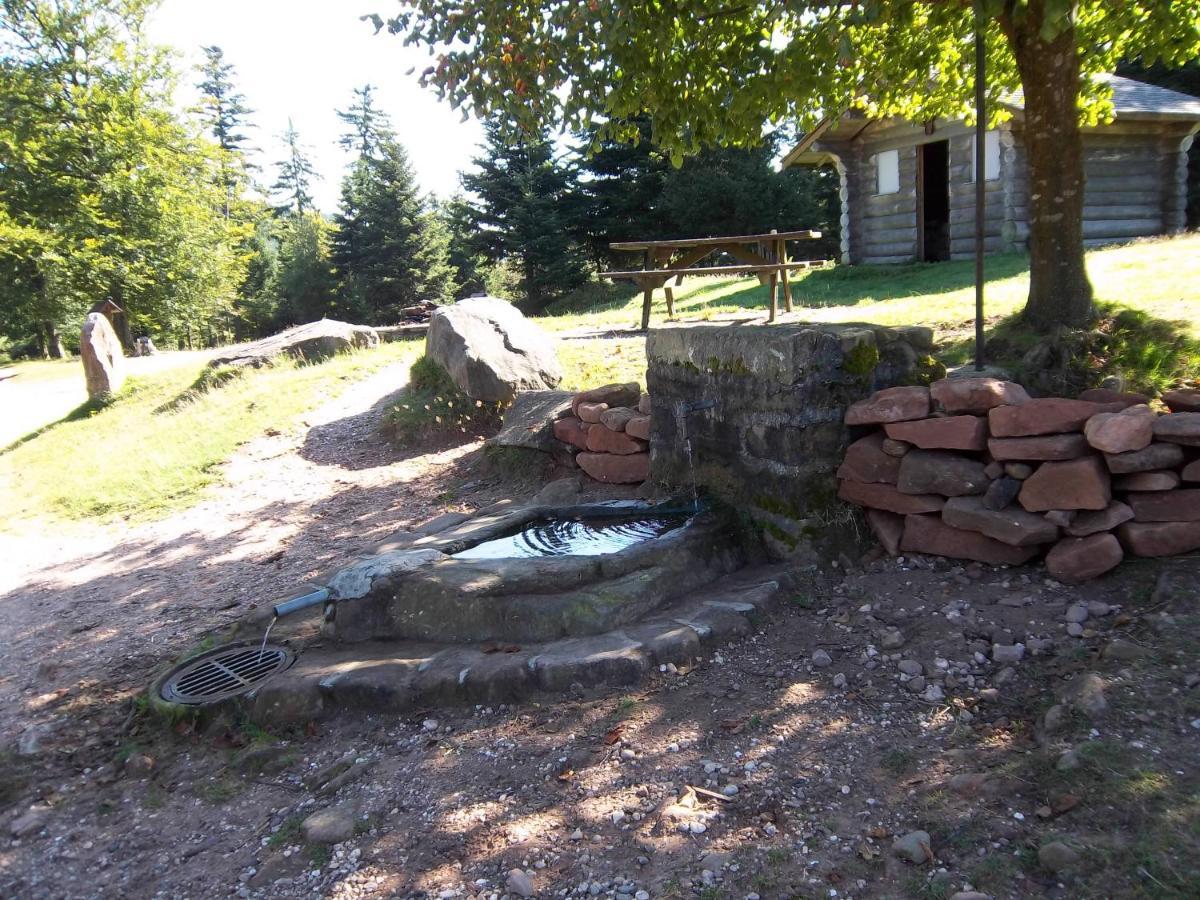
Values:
[(1132, 101)]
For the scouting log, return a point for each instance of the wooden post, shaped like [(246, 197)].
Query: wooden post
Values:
[(667, 292), (647, 291), (771, 287), (781, 256)]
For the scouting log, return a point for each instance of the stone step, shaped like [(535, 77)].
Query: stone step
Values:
[(396, 676)]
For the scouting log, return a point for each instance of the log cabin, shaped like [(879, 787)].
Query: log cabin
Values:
[(907, 189)]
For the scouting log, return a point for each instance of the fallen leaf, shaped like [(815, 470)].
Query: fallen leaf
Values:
[(867, 852), (878, 832), (613, 735), (734, 726), (1064, 803)]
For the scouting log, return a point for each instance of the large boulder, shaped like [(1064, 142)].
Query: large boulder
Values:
[(103, 359), (491, 350), (312, 341)]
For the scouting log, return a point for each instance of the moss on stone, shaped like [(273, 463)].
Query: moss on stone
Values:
[(926, 371), (861, 360)]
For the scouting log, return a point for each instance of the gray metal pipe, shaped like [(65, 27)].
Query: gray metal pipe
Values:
[(304, 601)]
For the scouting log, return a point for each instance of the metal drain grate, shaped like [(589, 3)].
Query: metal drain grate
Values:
[(225, 672)]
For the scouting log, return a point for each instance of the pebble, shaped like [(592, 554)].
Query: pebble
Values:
[(430, 724), (1002, 653), (914, 847), (520, 884), (1077, 612), (1057, 856), (839, 680), (329, 826), (821, 659), (911, 667)]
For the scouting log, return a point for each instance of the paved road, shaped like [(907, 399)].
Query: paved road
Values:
[(27, 404)]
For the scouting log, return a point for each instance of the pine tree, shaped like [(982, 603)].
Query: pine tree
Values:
[(303, 279), (389, 252), (295, 176), (527, 211), (222, 107), (369, 127)]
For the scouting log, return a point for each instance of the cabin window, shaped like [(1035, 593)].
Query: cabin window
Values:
[(991, 156), (887, 172)]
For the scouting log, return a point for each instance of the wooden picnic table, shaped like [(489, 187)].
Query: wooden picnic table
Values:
[(764, 255)]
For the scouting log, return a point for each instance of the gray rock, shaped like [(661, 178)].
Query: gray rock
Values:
[(933, 693), (329, 826), (563, 492), (914, 847), (1054, 719), (491, 351), (1123, 650), (529, 422), (1007, 654), (314, 341), (1001, 493), (1057, 856), (102, 357), (969, 895), (520, 884), (29, 822), (1068, 761), (916, 684), (911, 667), (1086, 693), (892, 639), (1077, 612), (821, 659)]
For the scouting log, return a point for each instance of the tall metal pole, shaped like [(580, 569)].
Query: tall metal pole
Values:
[(980, 175)]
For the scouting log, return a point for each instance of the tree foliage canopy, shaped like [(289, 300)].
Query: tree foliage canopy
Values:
[(711, 72)]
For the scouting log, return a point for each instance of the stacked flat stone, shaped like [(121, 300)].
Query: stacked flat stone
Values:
[(609, 428), (973, 468)]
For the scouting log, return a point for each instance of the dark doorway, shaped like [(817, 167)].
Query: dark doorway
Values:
[(933, 198)]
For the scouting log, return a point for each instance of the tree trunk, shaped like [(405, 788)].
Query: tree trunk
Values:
[(53, 345), (1059, 291)]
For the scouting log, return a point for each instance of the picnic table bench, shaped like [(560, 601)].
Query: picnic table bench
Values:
[(764, 255)]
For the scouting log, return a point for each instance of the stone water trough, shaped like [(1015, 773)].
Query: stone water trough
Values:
[(512, 601)]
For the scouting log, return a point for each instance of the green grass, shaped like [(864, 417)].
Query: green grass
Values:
[(434, 410), (590, 363), (146, 454), (1154, 278)]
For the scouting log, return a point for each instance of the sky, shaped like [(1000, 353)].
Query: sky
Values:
[(303, 58)]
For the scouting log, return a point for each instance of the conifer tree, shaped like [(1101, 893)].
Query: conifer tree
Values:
[(388, 251), (527, 206), (296, 173)]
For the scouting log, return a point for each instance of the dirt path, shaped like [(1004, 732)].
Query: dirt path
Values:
[(98, 607), (890, 732)]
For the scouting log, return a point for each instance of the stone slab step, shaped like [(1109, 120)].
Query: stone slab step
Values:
[(403, 675)]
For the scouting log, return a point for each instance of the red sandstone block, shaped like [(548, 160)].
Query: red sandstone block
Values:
[(1159, 538), (608, 394), (604, 440), (1157, 456), (898, 404), (1051, 446), (1074, 484), (949, 433), (590, 412), (888, 528), (1162, 480), (638, 427), (615, 417), (941, 472), (1050, 415), (1191, 472), (865, 461), (1077, 559), (928, 534), (631, 468), (572, 431), (1012, 525), (1178, 428), (1183, 400), (886, 497), (1107, 395), (975, 395), (1121, 432), (1166, 506), (1096, 520)]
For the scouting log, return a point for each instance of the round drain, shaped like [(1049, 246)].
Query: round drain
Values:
[(225, 672)]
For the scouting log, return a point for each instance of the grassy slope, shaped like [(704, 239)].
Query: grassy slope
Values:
[(136, 458), (1157, 277)]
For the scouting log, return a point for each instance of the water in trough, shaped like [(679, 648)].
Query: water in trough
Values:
[(573, 537)]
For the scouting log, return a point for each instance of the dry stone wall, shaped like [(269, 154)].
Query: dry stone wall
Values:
[(608, 430), (974, 468)]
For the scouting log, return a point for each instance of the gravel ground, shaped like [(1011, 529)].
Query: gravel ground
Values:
[(904, 728)]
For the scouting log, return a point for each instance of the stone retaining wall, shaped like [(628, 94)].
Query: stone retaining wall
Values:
[(973, 468), (762, 408), (608, 430)]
